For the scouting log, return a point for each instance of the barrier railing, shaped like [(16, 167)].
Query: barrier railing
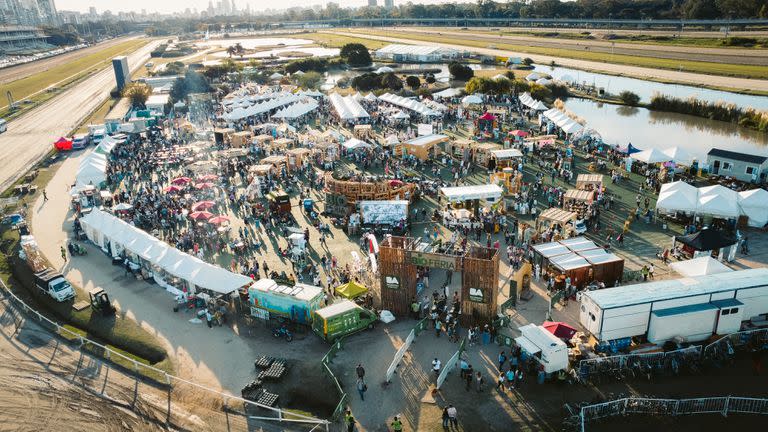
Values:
[(450, 364), (671, 407), (758, 337), (90, 361), (420, 327), (592, 367), (327, 359)]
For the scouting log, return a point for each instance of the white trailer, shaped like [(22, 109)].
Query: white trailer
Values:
[(691, 308)]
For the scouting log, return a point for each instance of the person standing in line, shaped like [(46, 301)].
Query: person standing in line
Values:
[(446, 419), (453, 416), (650, 270), (438, 327), (510, 378), (469, 377), (360, 371), (349, 420), (361, 388), (209, 318)]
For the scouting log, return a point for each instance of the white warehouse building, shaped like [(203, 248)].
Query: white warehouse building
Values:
[(416, 53)]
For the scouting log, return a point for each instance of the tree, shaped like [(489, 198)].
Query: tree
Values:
[(430, 79), (413, 82), (540, 92), (527, 61), (356, 55), (391, 81), (309, 80), (460, 72), (138, 93), (629, 98)]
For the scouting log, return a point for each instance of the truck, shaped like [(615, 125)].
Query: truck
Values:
[(47, 280), (341, 319), (53, 283), (296, 303)]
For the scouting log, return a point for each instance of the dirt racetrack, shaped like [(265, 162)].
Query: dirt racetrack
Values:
[(16, 72)]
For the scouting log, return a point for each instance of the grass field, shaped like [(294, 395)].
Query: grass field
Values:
[(744, 71), (336, 41), (71, 71)]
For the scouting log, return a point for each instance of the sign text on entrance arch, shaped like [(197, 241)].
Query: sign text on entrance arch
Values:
[(433, 261)]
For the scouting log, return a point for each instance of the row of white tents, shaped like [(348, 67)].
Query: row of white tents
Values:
[(561, 120), (117, 237), (410, 104), (93, 168), (278, 101), (532, 103), (347, 107), (296, 110), (673, 154), (718, 201)]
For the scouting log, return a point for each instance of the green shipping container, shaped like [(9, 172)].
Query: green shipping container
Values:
[(341, 319)]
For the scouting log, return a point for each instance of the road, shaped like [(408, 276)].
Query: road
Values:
[(663, 75), (30, 136)]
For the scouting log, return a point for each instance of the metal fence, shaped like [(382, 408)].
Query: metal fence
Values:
[(450, 364), (420, 327), (328, 359), (121, 379), (600, 365), (757, 337)]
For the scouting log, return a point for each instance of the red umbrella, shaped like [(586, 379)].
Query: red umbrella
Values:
[(181, 180), (203, 205), (209, 177), (201, 215), (218, 220), (172, 189), (559, 329), (204, 185), (519, 133), (395, 183)]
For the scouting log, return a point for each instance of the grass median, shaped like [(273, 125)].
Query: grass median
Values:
[(722, 69)]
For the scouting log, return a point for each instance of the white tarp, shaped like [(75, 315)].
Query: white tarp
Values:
[(410, 104), (678, 196), (471, 100), (650, 156), (296, 110), (354, 144), (754, 204), (489, 192), (347, 107), (102, 227), (718, 201), (448, 93), (679, 155), (701, 266), (504, 154), (92, 170)]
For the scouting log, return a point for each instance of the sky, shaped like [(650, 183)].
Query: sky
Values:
[(167, 6)]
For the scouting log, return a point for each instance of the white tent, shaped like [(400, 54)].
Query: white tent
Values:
[(370, 97), (106, 145), (543, 81), (679, 155), (296, 110), (532, 103), (718, 201), (92, 170), (276, 76), (354, 144), (754, 204), (539, 106), (678, 196), (410, 104), (701, 266), (347, 107), (489, 192), (384, 69), (399, 115), (650, 156), (471, 100), (448, 93), (392, 139), (571, 127), (500, 77), (533, 76)]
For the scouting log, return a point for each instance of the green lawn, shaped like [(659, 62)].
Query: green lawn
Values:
[(745, 71), (332, 40)]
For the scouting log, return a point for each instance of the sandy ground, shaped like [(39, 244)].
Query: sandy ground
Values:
[(718, 55), (614, 69), (21, 71)]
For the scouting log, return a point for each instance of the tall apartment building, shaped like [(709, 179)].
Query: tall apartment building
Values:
[(28, 12), (389, 4), (372, 3)]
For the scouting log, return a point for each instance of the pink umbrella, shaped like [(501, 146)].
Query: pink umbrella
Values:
[(218, 220), (519, 133), (204, 185), (172, 189), (209, 177), (201, 215), (203, 205), (181, 180)]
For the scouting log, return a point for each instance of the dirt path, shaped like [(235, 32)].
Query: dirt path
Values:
[(688, 78)]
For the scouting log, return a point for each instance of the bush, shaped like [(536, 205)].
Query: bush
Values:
[(559, 91), (460, 71), (527, 61), (307, 64), (413, 82), (371, 81), (430, 79), (629, 98), (740, 41), (309, 80), (540, 92), (356, 54)]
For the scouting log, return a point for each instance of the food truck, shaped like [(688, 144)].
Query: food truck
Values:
[(297, 303), (544, 347), (341, 319)]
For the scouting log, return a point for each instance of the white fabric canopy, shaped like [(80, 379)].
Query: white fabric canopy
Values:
[(701, 266), (650, 156), (471, 100), (718, 201), (400, 115), (466, 193), (296, 110), (504, 154), (561, 120), (277, 100), (102, 227), (354, 143), (370, 97), (92, 170), (106, 145), (532, 103), (347, 107), (448, 93), (679, 155), (678, 196), (754, 204), (533, 76), (410, 104)]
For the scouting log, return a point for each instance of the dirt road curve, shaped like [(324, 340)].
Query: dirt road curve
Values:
[(31, 136), (663, 75), (716, 55), (21, 71)]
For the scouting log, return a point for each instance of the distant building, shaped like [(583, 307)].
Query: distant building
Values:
[(416, 53), (389, 4), (741, 166), (122, 73), (20, 40), (372, 3), (28, 12)]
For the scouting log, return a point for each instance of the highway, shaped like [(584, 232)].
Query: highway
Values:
[(31, 136)]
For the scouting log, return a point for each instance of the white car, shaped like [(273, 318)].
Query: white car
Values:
[(579, 227)]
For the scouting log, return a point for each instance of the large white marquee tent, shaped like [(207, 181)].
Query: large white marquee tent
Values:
[(347, 107), (410, 104), (718, 201)]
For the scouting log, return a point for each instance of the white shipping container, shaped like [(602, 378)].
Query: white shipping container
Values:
[(694, 323)]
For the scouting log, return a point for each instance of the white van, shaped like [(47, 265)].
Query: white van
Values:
[(3, 125), (79, 141)]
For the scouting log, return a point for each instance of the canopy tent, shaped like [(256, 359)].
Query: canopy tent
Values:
[(754, 204), (276, 76), (296, 110), (466, 193), (410, 104), (678, 196), (399, 115), (500, 77), (650, 156), (92, 170), (559, 329), (435, 105), (487, 117), (679, 155), (351, 290), (447, 93), (707, 240), (277, 100), (354, 144), (700, 266), (392, 139), (518, 133), (533, 76), (561, 120), (629, 149), (383, 70), (62, 144), (532, 103), (347, 107), (471, 100), (106, 145), (504, 154), (543, 81), (718, 201), (103, 228)]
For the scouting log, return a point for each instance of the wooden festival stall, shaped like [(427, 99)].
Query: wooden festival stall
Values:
[(399, 258), (297, 156), (578, 201), (552, 217), (278, 161), (241, 139), (483, 152), (590, 182), (424, 147), (354, 191)]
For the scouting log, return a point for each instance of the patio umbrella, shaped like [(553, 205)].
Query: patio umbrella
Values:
[(209, 177), (181, 180), (519, 133), (203, 205), (172, 189), (122, 207), (218, 220), (201, 215), (559, 329), (204, 185)]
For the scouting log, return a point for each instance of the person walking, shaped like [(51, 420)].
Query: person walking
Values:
[(469, 377), (360, 370), (650, 270), (63, 254), (209, 318), (45, 196), (479, 382), (500, 382), (453, 416), (397, 425), (446, 418), (744, 246), (502, 360), (438, 328), (349, 420), (436, 367), (361, 388)]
